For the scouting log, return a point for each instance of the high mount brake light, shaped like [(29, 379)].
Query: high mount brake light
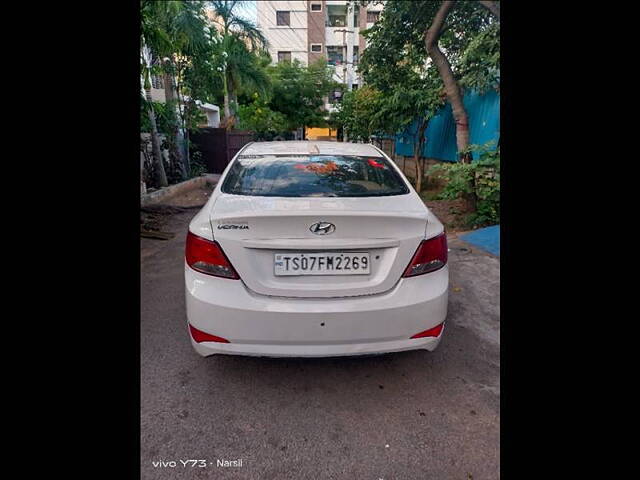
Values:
[(430, 256), (206, 256)]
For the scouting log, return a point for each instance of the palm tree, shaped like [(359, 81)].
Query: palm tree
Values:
[(175, 33), (239, 38), (151, 32), (245, 70)]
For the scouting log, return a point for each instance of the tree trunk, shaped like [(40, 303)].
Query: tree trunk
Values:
[(187, 154), (452, 89), (233, 104), (416, 159), (177, 144), (417, 155), (159, 175), (227, 111)]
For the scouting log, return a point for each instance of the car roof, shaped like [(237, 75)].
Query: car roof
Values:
[(305, 147)]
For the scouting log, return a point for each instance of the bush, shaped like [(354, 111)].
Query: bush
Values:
[(198, 166), (481, 178), (260, 119)]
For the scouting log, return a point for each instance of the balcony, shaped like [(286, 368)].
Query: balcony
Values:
[(336, 16)]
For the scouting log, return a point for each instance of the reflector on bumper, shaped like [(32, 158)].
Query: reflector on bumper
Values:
[(200, 336), (432, 332)]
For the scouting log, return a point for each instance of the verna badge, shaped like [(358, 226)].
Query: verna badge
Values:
[(322, 228)]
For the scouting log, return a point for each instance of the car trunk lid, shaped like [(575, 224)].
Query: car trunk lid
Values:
[(252, 230)]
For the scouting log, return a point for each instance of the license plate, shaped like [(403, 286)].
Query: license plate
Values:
[(322, 263)]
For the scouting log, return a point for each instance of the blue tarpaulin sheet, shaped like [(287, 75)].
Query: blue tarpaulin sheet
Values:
[(483, 112), (487, 239)]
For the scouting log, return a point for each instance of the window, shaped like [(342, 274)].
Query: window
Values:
[(313, 176), (316, 47), (372, 17), (356, 54), (284, 57), (335, 55), (316, 7), (336, 16), (337, 21), (283, 18), (356, 16)]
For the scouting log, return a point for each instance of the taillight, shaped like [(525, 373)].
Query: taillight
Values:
[(199, 336), (207, 257), (430, 256), (432, 332)]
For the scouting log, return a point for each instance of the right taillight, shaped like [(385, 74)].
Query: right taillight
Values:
[(206, 256), (430, 256)]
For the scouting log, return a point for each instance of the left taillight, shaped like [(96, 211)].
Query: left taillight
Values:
[(431, 255), (206, 256)]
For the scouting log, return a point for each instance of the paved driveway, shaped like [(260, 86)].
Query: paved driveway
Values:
[(413, 415)]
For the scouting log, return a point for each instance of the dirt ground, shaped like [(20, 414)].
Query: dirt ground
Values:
[(451, 213), (155, 218)]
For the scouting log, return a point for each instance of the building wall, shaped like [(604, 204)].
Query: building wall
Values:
[(309, 27), (292, 38), (315, 23)]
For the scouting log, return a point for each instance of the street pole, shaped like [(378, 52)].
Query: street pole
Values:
[(344, 45), (344, 68)]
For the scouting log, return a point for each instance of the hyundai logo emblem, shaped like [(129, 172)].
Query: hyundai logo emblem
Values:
[(322, 228)]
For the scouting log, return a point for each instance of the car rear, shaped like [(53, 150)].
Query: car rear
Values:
[(315, 254)]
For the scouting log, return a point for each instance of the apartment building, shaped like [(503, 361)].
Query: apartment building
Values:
[(308, 30)]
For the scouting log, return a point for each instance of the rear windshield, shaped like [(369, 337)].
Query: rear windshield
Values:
[(313, 176)]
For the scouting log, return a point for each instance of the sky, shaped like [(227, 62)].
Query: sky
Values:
[(249, 11)]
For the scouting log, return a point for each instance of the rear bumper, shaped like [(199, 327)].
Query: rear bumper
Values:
[(260, 325)]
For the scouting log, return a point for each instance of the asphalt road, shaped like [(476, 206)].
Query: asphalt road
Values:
[(413, 415)]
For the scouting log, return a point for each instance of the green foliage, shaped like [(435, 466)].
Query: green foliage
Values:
[(246, 70), (299, 91), (165, 117), (419, 97), (259, 118), (479, 66), (481, 178), (470, 38), (232, 23), (198, 166), (201, 77), (396, 61), (358, 113)]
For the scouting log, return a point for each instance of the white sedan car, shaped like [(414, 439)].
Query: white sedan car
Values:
[(314, 249)]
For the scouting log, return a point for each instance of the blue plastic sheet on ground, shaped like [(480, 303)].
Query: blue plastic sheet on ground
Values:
[(487, 239)]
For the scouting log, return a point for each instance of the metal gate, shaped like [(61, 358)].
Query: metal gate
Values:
[(218, 146)]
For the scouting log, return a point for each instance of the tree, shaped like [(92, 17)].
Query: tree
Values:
[(358, 113), (443, 32), (235, 30), (259, 118), (416, 103), (151, 31), (175, 33), (246, 71), (299, 91), (410, 91)]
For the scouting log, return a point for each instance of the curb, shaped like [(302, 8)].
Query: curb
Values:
[(172, 190)]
